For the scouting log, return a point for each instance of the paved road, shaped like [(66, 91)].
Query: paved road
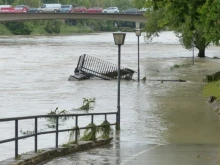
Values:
[(176, 154), (130, 153)]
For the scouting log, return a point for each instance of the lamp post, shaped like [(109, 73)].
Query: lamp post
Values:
[(138, 34), (193, 45), (119, 39), (193, 60)]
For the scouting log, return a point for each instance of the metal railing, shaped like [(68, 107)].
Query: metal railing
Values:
[(89, 65), (56, 131)]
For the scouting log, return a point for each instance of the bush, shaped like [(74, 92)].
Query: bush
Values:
[(213, 77), (19, 28), (53, 26)]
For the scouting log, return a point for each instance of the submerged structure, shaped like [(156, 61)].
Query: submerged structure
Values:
[(89, 66)]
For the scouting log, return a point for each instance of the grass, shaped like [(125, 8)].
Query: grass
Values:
[(212, 89)]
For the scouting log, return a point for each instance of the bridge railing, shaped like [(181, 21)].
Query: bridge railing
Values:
[(36, 133)]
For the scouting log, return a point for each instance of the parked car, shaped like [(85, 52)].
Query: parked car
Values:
[(79, 9), (66, 8), (111, 10), (5, 6), (32, 10), (12, 10), (95, 10), (132, 11), (24, 7)]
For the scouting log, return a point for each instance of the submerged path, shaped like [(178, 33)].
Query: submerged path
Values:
[(186, 126)]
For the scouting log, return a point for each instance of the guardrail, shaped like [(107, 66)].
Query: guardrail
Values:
[(56, 131)]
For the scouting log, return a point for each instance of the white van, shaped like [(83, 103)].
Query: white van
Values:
[(5, 6), (50, 8)]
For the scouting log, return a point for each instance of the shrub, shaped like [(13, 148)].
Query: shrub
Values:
[(20, 28), (53, 26)]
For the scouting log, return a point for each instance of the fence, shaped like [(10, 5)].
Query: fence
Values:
[(92, 66), (56, 131)]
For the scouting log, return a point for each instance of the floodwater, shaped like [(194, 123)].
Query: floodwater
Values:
[(34, 73)]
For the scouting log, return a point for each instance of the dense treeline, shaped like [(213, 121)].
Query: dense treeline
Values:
[(66, 26)]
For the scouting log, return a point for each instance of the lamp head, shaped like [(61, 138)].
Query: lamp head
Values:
[(119, 38), (138, 32)]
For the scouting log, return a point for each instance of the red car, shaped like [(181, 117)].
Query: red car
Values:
[(79, 9), (95, 10)]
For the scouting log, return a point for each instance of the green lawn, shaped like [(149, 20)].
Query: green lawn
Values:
[(212, 89)]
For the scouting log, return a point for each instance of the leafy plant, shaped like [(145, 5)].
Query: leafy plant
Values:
[(105, 129), (90, 132), (72, 134), (56, 112), (87, 103)]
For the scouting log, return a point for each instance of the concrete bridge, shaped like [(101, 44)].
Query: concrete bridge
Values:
[(138, 18)]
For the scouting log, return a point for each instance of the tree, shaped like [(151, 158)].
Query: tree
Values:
[(186, 18), (211, 16)]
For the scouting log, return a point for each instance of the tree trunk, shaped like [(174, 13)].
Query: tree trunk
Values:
[(201, 53)]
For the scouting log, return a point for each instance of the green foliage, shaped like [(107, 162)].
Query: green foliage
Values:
[(90, 133), (57, 112), (187, 18), (72, 134), (105, 129), (87, 103), (19, 28), (210, 15), (53, 26), (213, 77), (4, 30)]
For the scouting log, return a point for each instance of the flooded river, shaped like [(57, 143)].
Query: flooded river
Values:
[(34, 80)]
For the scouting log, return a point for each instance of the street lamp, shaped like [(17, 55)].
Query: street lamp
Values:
[(138, 34), (193, 45), (119, 39)]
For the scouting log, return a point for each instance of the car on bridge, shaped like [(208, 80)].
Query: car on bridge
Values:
[(50, 8), (24, 7), (12, 10), (111, 10), (66, 8), (32, 10), (95, 10), (79, 9), (132, 11)]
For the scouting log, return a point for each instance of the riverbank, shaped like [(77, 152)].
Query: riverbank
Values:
[(43, 28)]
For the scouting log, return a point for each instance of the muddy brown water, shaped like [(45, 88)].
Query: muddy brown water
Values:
[(35, 70)]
